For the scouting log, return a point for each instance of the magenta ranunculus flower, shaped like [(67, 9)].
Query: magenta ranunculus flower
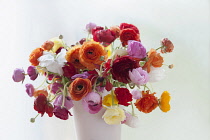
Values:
[(83, 75), (29, 89), (92, 103), (32, 73), (139, 76), (105, 36), (61, 113), (18, 75), (90, 26), (136, 49), (56, 87), (68, 103)]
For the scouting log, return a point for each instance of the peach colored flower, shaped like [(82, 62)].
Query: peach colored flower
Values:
[(48, 45), (72, 56), (38, 92), (154, 59), (167, 45), (91, 54), (164, 101), (79, 88), (147, 103), (35, 54), (116, 30)]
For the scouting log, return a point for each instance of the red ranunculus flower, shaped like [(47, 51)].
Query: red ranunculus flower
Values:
[(97, 28), (105, 36), (131, 26), (147, 103), (69, 70), (128, 34), (61, 113), (123, 96), (121, 67), (41, 105)]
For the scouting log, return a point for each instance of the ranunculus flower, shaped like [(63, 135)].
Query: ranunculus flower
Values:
[(128, 34), (168, 45), (136, 49), (104, 36), (61, 113), (18, 75), (121, 67), (92, 103), (131, 26), (164, 101), (52, 62), (35, 54), (32, 73), (29, 89), (116, 30), (138, 76), (136, 94), (56, 87), (58, 43), (41, 105), (48, 45), (147, 103), (68, 103), (83, 75), (79, 88), (123, 96), (154, 59), (69, 70), (90, 26), (91, 54), (119, 53), (131, 120), (110, 100), (114, 115), (156, 74), (72, 56), (38, 92)]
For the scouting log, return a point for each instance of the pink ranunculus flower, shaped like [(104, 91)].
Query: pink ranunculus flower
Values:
[(32, 73), (90, 26), (136, 49), (136, 94), (68, 103), (30, 89), (18, 75), (92, 103), (131, 120), (139, 76), (56, 87)]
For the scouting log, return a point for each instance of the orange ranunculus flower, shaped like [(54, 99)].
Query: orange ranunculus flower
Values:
[(72, 56), (37, 92), (35, 54), (154, 59), (92, 54), (79, 88), (147, 103), (164, 101)]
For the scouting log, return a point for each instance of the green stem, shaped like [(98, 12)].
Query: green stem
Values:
[(64, 94), (159, 48), (43, 82), (133, 113)]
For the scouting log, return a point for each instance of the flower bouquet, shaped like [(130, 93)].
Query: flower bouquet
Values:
[(109, 59)]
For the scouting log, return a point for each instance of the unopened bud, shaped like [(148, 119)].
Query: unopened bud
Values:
[(60, 37), (171, 66), (32, 120)]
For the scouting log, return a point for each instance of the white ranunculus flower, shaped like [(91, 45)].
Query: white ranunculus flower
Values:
[(156, 74), (120, 52), (53, 62)]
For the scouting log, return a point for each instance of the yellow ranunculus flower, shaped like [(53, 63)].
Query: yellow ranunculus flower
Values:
[(109, 52), (164, 101), (110, 100), (114, 115), (57, 44)]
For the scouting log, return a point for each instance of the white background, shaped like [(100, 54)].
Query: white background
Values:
[(25, 25)]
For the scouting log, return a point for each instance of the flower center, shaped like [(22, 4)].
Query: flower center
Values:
[(79, 87)]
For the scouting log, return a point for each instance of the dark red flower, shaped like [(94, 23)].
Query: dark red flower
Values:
[(121, 67), (69, 70), (41, 105), (123, 96), (59, 50), (131, 26), (97, 28), (105, 36), (61, 113), (128, 34)]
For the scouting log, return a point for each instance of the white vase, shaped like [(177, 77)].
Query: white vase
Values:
[(92, 126)]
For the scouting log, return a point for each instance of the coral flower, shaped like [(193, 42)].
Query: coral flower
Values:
[(79, 88), (147, 103), (38, 92), (154, 59), (35, 54), (92, 54), (164, 101), (72, 56), (167, 46), (128, 34), (48, 45)]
